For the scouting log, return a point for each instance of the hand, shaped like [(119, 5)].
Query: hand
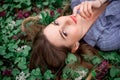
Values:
[(85, 9)]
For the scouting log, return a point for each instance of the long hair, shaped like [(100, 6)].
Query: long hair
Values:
[(43, 54)]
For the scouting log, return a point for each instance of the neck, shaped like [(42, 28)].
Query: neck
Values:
[(86, 24)]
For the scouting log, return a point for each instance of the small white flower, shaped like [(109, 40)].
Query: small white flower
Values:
[(23, 47), (82, 74), (22, 76), (9, 24), (18, 49), (40, 16), (12, 23)]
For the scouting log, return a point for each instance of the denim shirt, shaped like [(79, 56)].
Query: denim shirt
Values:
[(105, 32)]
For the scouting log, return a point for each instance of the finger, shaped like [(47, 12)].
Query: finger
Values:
[(75, 10), (82, 10), (86, 9), (90, 9)]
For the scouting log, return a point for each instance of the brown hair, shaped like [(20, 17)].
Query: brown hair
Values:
[(44, 54)]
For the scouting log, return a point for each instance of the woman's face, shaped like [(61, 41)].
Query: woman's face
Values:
[(64, 31)]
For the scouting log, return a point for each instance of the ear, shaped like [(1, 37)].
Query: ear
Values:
[(75, 47)]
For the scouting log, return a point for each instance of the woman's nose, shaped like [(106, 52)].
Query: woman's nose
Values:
[(67, 22)]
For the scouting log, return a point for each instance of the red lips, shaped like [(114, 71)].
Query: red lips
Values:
[(74, 19)]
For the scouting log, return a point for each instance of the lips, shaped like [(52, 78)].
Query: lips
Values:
[(74, 19)]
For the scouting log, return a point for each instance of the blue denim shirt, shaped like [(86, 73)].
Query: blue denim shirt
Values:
[(105, 32)]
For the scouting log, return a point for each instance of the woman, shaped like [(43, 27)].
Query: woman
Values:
[(51, 44), (47, 56)]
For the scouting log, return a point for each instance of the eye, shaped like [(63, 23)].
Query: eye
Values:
[(64, 33), (56, 23)]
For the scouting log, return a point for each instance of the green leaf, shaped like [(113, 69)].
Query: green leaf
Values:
[(23, 60), (66, 73), (93, 74), (27, 2), (36, 72), (1, 63), (71, 58), (8, 55), (48, 75), (16, 31), (17, 59), (56, 16), (64, 76), (15, 71), (74, 74), (26, 51), (29, 8), (114, 71), (112, 56), (32, 77), (2, 50), (6, 78), (5, 39), (117, 79), (18, 5), (53, 1), (9, 19), (12, 46), (96, 60), (1, 9), (21, 65), (46, 3), (17, 1), (5, 6), (39, 5), (3, 68), (18, 22)]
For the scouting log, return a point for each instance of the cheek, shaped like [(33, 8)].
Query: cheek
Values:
[(74, 35), (74, 32)]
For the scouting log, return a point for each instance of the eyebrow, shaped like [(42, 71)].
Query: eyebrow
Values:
[(61, 35)]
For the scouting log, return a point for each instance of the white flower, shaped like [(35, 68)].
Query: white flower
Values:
[(12, 23), (40, 16), (19, 49), (82, 74), (23, 47), (22, 76)]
